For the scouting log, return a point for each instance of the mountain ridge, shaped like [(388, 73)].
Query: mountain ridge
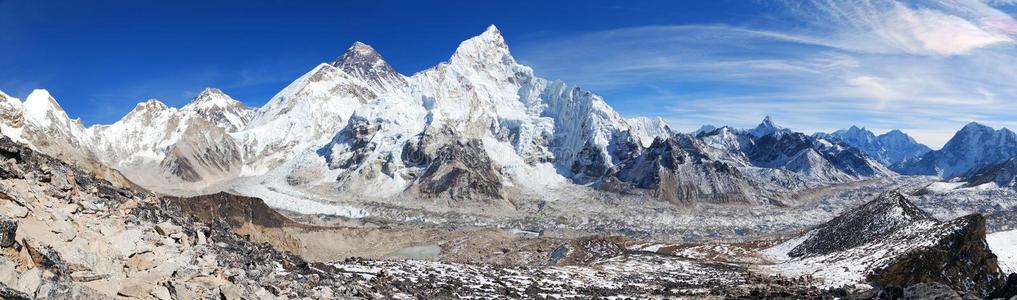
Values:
[(891, 148), (478, 124), (972, 147)]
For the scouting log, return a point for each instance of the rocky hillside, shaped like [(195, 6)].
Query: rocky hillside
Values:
[(891, 244), (65, 234)]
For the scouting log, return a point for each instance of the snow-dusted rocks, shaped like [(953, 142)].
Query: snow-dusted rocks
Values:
[(871, 221), (889, 242), (363, 62), (726, 165)]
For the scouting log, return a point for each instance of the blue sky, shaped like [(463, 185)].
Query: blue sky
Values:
[(927, 67)]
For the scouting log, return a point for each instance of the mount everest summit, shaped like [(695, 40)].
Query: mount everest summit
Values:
[(479, 126)]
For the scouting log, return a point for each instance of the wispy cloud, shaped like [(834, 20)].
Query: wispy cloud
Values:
[(927, 67)]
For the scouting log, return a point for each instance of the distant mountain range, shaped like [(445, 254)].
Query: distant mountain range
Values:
[(479, 128), (973, 147), (891, 148)]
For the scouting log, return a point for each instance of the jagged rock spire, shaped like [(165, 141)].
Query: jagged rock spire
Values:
[(766, 127)]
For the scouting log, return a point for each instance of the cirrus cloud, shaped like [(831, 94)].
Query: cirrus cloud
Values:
[(927, 67)]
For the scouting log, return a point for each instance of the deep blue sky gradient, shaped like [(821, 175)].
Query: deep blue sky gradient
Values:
[(100, 58), (925, 66)]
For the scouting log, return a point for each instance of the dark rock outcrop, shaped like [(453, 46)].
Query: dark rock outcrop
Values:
[(1008, 290), (8, 293), (679, 170), (462, 171), (961, 260), (233, 209), (869, 222), (930, 291), (8, 227)]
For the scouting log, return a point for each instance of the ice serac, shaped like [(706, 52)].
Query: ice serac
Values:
[(647, 129), (974, 146), (891, 148)]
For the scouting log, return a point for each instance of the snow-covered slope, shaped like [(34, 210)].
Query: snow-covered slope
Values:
[(646, 129), (890, 148), (1004, 245), (166, 148), (478, 128), (974, 146), (486, 106)]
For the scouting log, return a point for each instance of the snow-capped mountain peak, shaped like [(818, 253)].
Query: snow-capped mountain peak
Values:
[(211, 99), (220, 109), (147, 111), (891, 148), (766, 127), (488, 47), (973, 146), (972, 126), (40, 105), (362, 61)]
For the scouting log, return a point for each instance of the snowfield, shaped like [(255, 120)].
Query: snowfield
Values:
[(1004, 245)]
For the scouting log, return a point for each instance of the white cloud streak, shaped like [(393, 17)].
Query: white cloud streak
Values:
[(926, 67)]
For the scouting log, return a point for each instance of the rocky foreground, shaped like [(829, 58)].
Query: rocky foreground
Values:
[(67, 235)]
